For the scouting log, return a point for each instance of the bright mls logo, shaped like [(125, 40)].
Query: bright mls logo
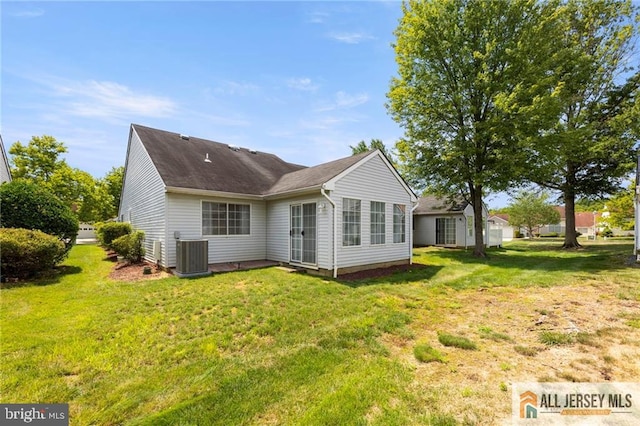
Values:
[(34, 414), (528, 405)]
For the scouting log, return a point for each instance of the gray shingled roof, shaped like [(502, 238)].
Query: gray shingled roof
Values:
[(181, 164), (431, 204), (314, 176)]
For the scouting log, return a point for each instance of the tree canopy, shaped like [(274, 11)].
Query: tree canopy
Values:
[(531, 210), (373, 144), (473, 78), (90, 199), (590, 149)]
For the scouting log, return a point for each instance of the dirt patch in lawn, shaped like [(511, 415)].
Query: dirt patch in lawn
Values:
[(379, 272), (575, 333)]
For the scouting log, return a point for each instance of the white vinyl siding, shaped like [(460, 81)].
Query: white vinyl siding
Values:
[(370, 181), (143, 197), (184, 214), (378, 222), (351, 218)]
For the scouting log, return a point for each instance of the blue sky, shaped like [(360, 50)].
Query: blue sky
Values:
[(302, 80)]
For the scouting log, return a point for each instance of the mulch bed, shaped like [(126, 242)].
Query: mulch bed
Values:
[(134, 271), (380, 272)]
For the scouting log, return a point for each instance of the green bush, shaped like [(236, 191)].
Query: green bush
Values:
[(549, 235), (27, 206), (607, 232), (109, 231), (130, 246), (24, 252)]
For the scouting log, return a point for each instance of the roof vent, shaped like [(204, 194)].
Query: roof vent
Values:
[(185, 137), (234, 147), (253, 151), (206, 158)]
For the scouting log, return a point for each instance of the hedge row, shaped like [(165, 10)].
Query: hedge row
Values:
[(25, 252)]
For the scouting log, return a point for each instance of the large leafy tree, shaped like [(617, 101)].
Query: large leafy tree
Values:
[(38, 160), (39, 163), (473, 79), (531, 211), (589, 151), (113, 181)]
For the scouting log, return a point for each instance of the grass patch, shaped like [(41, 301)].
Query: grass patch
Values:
[(456, 341), (425, 353), (526, 350), (552, 338), (268, 347), (488, 333)]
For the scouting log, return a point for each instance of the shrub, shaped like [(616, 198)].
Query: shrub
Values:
[(549, 235), (607, 232), (27, 206), (109, 231), (24, 252), (130, 246), (456, 341)]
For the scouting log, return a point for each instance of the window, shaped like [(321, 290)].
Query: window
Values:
[(225, 219), (350, 222), (377, 222), (470, 226), (445, 231), (399, 223)]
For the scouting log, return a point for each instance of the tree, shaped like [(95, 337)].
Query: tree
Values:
[(621, 210), (90, 199), (113, 181), (37, 161), (590, 149), (531, 211), (26, 205), (473, 80), (374, 144)]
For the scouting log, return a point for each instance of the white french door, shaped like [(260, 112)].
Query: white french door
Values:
[(303, 233)]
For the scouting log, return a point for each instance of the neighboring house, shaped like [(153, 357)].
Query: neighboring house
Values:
[(501, 222), (439, 222), (586, 223), (5, 171), (337, 217)]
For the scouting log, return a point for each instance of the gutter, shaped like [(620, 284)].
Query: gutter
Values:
[(411, 232), (335, 231)]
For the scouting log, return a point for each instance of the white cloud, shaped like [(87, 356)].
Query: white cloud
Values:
[(303, 84), (236, 88), (343, 100), (317, 17), (109, 100), (28, 13), (350, 37)]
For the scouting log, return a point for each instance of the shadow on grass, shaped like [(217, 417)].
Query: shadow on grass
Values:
[(43, 279), (543, 257)]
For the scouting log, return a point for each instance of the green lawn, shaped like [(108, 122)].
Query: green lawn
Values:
[(271, 347)]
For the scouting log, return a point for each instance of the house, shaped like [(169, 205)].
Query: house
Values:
[(337, 217), (5, 171), (586, 223), (500, 222), (440, 222)]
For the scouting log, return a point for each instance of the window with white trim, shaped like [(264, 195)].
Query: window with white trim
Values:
[(350, 222), (399, 223), (377, 222), (225, 218)]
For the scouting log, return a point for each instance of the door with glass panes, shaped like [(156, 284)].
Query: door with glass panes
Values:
[(303, 233)]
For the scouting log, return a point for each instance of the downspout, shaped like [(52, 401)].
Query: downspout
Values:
[(335, 232), (411, 232)]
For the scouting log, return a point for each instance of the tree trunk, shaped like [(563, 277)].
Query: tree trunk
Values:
[(476, 197), (570, 234)]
